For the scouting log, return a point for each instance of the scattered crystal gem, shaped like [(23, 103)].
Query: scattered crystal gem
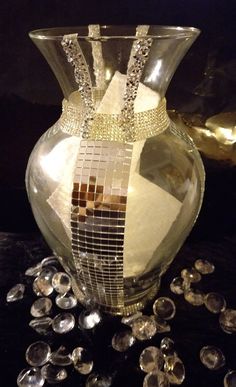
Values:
[(61, 357), (156, 379), (95, 380), (177, 285), (167, 347), (53, 374), (42, 286), (151, 359), (212, 357), (144, 328), (122, 341), (194, 297), (63, 323), (164, 308), (48, 261), (174, 369), (61, 282), (16, 293), (230, 379), (41, 307), (88, 319), (66, 301), (48, 272), (204, 266), (227, 320), (128, 320), (38, 354), (41, 325), (215, 302), (191, 275), (82, 360), (34, 271), (30, 377)]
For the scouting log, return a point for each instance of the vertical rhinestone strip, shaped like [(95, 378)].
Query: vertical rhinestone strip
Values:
[(98, 218), (98, 63)]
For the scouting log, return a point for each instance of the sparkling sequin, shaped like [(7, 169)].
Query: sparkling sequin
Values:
[(30, 377), (16, 293), (156, 379), (167, 347), (162, 325), (34, 271), (191, 275), (227, 320), (204, 266), (144, 328), (230, 379), (174, 369), (41, 325), (122, 341), (53, 374), (61, 357), (38, 354), (41, 307), (88, 319), (212, 357), (66, 301), (61, 282), (128, 320), (82, 360), (151, 359), (215, 302), (164, 308), (63, 323), (177, 285), (194, 297), (95, 380)]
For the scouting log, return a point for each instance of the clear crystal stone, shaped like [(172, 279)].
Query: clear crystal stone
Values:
[(61, 357), (63, 323), (41, 325), (174, 369), (191, 275), (61, 282), (167, 347), (88, 319), (164, 308), (156, 379), (162, 325), (144, 328), (34, 271), (227, 320), (38, 354), (53, 374), (215, 302), (128, 320), (177, 285), (230, 379), (42, 286), (48, 272), (82, 360), (212, 357), (151, 359), (95, 380), (66, 301), (194, 297), (48, 261), (16, 293), (122, 341), (30, 377), (41, 307), (204, 266)]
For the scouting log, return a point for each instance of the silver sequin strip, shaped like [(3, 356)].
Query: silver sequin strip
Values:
[(98, 62)]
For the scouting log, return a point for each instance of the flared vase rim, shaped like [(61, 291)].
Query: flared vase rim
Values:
[(157, 32)]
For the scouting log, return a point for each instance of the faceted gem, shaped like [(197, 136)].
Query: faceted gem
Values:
[(167, 347), (30, 377), (164, 308), (177, 285), (162, 325), (48, 261), (41, 307), (34, 271), (151, 359), (41, 325), (42, 286), (53, 374), (128, 320), (63, 323), (16, 293), (230, 379), (88, 319), (144, 328), (95, 380), (38, 353), (227, 320), (204, 266), (194, 297), (61, 282), (174, 369), (215, 302), (212, 357), (191, 275), (156, 379), (61, 357), (48, 272), (82, 361), (66, 301), (122, 341)]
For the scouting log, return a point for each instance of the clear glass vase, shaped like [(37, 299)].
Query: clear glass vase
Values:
[(114, 187)]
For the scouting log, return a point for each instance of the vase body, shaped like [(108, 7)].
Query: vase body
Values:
[(114, 187)]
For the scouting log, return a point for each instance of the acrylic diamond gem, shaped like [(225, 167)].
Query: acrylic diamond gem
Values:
[(48, 261), (144, 328), (156, 379), (212, 357), (151, 359), (61, 282), (230, 379), (194, 297), (53, 374), (191, 275), (38, 354), (41, 307), (30, 377), (16, 293), (88, 319), (128, 320), (174, 369), (167, 347), (42, 286), (34, 271), (164, 308), (41, 325), (122, 341), (215, 302), (162, 325), (95, 380), (82, 360), (204, 266), (227, 320), (61, 357), (66, 301), (63, 323), (177, 285)]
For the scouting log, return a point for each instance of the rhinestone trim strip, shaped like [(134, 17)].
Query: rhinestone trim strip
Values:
[(98, 63)]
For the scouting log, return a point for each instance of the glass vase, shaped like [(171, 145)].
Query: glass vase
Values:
[(114, 186)]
